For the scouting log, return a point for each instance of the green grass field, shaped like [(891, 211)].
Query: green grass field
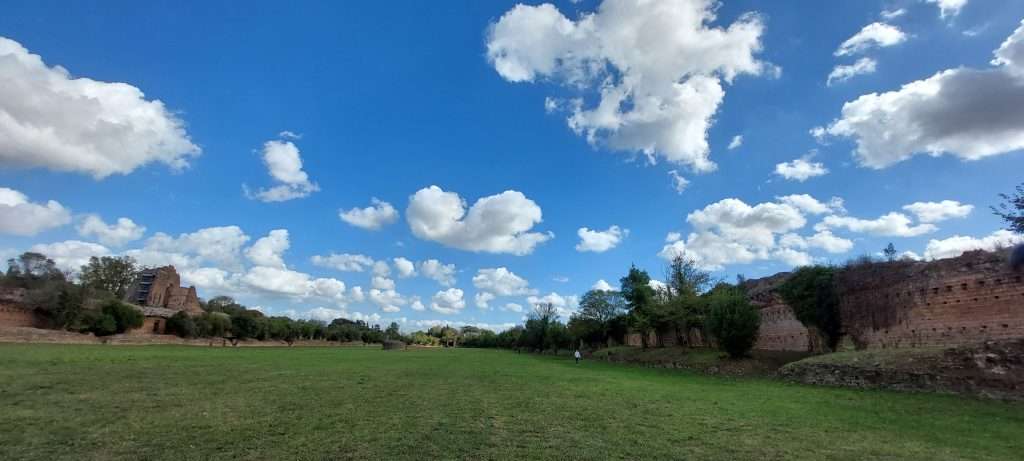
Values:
[(175, 402)]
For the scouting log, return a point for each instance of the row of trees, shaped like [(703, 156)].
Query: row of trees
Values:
[(689, 301)]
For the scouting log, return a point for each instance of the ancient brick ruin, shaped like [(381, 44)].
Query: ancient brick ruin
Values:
[(13, 311), (161, 287), (970, 299)]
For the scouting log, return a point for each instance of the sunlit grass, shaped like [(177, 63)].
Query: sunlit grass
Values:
[(167, 402)]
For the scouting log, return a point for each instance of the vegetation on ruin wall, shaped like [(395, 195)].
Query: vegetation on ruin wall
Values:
[(178, 403), (811, 293)]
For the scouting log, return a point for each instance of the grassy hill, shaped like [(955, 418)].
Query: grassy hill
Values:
[(174, 402)]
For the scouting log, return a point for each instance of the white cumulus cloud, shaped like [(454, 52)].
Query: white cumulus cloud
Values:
[(501, 282), (19, 216), (932, 212), (877, 34), (123, 231), (285, 167), (800, 169), (600, 241), (602, 285), (405, 267), (655, 67), (958, 244), (495, 224), (448, 301), (842, 73), (344, 262), (964, 112), (443, 274), (948, 8), (373, 217), (70, 255), (888, 225), (269, 250), (49, 119)]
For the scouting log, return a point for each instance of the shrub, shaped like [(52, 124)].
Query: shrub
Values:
[(183, 325), (733, 322), (124, 318), (811, 292), (104, 325)]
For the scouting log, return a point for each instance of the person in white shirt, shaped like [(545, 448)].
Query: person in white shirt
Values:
[(577, 355)]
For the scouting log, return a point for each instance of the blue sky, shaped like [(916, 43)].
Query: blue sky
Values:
[(383, 100)]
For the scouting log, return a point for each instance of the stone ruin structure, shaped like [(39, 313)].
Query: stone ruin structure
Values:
[(970, 299), (160, 294), (13, 311)]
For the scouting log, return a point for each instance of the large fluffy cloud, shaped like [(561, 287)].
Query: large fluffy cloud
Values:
[(19, 216), (967, 113), (373, 217), (958, 244), (123, 231), (51, 120), (494, 224), (600, 241), (732, 232), (285, 167), (655, 68)]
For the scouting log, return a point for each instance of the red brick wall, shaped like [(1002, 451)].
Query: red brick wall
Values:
[(14, 316), (954, 309), (781, 331)]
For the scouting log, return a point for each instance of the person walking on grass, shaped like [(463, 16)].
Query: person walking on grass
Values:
[(577, 356)]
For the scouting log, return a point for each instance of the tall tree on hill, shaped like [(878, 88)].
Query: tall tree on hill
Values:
[(640, 298), (113, 274), (890, 252)]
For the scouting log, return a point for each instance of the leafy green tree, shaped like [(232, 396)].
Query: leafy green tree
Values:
[(640, 300), (733, 321), (811, 292), (110, 273), (393, 332), (685, 309), (183, 325), (592, 321), (31, 270)]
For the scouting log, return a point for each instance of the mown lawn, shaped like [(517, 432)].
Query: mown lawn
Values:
[(178, 402)]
